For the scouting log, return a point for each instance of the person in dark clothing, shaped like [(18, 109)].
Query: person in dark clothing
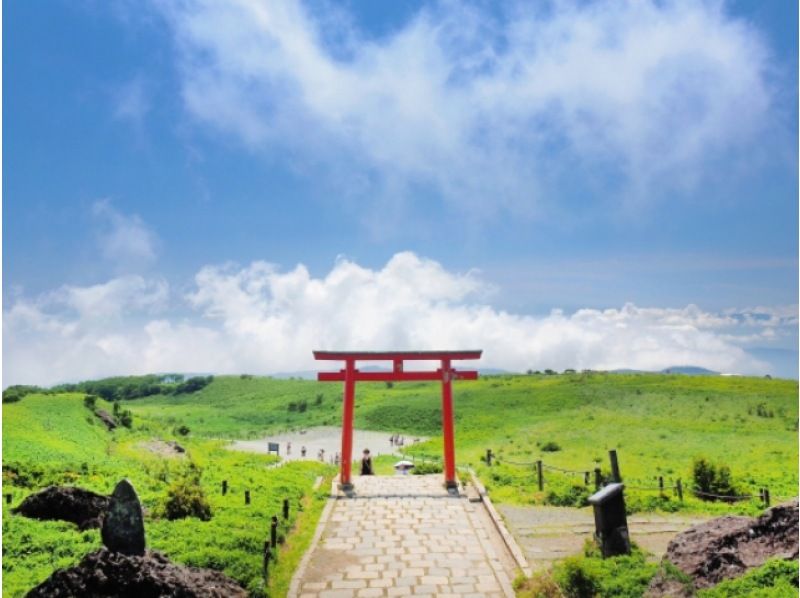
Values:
[(366, 463)]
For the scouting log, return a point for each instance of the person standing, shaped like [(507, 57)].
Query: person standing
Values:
[(366, 463)]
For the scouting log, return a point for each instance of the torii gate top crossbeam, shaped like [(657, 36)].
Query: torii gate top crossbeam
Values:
[(392, 355)]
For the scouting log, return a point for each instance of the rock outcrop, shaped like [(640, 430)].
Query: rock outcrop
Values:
[(65, 503), (727, 547), (106, 418), (105, 574)]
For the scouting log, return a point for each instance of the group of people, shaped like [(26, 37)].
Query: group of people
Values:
[(320, 454)]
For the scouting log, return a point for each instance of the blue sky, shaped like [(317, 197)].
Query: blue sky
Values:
[(633, 165)]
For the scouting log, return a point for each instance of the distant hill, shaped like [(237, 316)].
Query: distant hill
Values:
[(688, 370)]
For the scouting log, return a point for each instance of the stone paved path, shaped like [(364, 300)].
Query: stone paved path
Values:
[(405, 536)]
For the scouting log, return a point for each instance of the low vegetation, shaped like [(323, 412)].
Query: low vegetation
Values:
[(54, 440), (718, 435), (660, 425)]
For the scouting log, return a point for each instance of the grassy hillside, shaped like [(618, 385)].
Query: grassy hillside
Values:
[(658, 423), (54, 439)]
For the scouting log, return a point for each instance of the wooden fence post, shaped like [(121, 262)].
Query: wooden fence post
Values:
[(247, 497), (679, 488), (273, 532), (661, 485), (766, 496), (266, 560), (612, 454), (489, 457), (539, 474), (585, 478), (286, 508), (224, 487), (598, 478)]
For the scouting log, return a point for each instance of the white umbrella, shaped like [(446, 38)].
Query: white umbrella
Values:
[(404, 464)]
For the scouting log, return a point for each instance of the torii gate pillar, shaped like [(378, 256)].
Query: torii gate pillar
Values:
[(350, 375)]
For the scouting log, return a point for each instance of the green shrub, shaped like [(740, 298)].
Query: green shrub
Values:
[(774, 579), (90, 402), (426, 468), (12, 394), (182, 430), (573, 496), (591, 575), (551, 447), (578, 577), (185, 498), (712, 479)]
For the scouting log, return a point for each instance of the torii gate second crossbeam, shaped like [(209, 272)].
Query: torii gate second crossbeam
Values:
[(350, 375)]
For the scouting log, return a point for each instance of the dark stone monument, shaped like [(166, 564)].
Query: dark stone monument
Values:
[(123, 526), (611, 523)]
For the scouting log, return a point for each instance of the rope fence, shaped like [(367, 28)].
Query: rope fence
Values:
[(676, 488)]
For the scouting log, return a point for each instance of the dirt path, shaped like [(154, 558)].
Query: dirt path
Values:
[(327, 439), (549, 533)]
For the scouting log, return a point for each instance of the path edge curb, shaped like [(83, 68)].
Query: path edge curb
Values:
[(294, 585), (508, 539)]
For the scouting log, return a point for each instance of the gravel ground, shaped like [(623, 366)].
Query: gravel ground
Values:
[(326, 438), (549, 533)]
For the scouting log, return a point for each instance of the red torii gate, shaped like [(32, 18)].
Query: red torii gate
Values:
[(350, 375)]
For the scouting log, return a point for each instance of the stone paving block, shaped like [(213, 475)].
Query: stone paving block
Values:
[(349, 584)]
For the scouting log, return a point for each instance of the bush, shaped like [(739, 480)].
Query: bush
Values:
[(574, 496), (90, 402), (541, 585), (125, 419), (426, 468), (775, 578), (182, 430), (185, 498), (15, 393), (712, 479), (551, 447), (578, 578)]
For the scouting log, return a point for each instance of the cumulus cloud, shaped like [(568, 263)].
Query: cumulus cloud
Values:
[(125, 240), (488, 109), (261, 319)]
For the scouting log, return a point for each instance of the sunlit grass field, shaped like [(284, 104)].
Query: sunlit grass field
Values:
[(54, 439), (658, 424)]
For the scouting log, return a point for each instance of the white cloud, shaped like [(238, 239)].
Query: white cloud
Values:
[(125, 240), (489, 112), (260, 319)]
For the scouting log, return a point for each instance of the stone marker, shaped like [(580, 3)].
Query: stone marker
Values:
[(123, 526)]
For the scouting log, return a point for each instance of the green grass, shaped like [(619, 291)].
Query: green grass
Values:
[(658, 423), (774, 579), (47, 439)]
